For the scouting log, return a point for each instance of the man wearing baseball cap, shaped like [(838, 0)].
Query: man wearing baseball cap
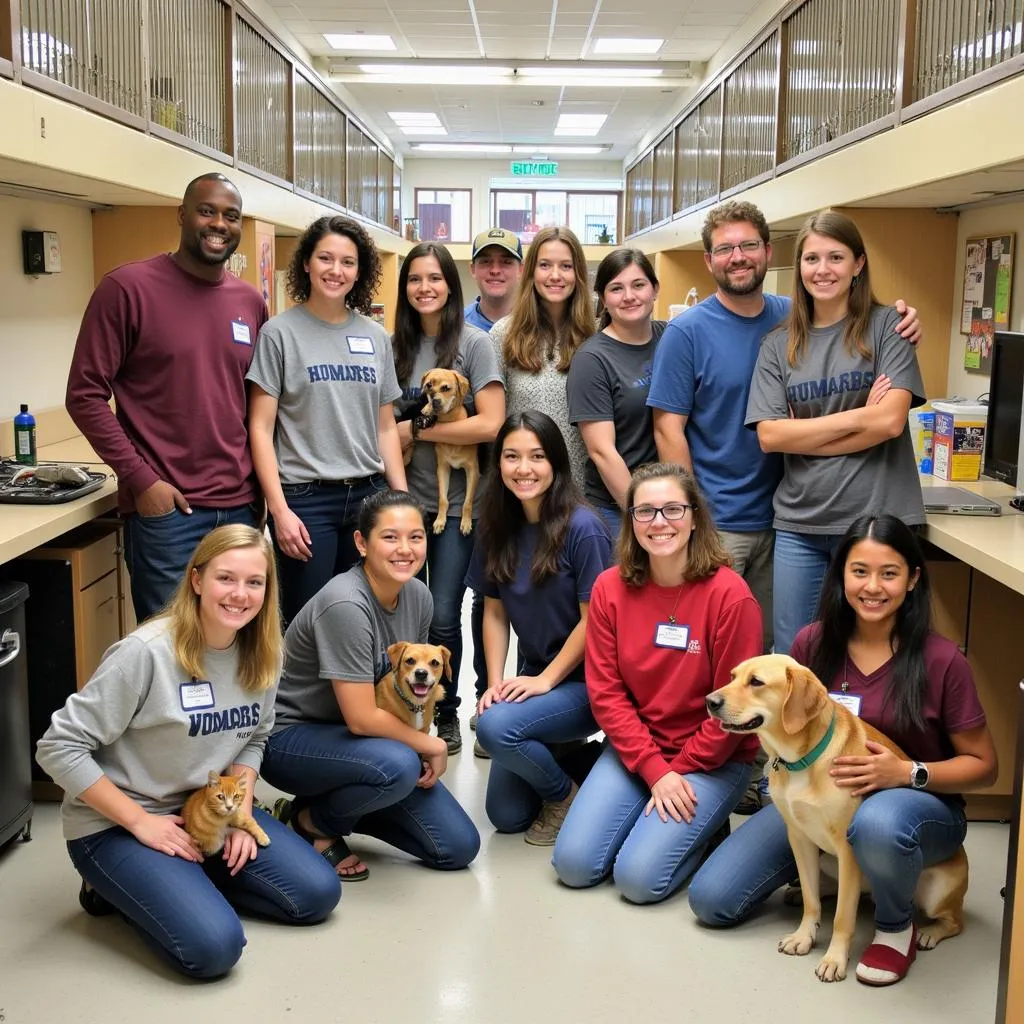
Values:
[(496, 263)]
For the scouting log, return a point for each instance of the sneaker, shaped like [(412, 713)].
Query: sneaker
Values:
[(544, 831), (478, 751), (472, 721), (448, 730)]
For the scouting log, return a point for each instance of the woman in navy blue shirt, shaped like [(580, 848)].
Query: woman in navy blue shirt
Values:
[(539, 550)]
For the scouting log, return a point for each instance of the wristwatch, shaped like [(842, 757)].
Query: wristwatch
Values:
[(918, 775)]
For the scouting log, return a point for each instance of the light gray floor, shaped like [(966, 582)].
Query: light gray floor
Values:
[(500, 942)]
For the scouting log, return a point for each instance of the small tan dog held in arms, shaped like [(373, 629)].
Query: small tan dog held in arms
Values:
[(803, 729), (444, 392), (413, 686), (209, 813)]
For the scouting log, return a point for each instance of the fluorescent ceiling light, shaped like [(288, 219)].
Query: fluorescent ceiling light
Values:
[(418, 122), (608, 44), (560, 150), (581, 120), (536, 76), (462, 147), (585, 72), (358, 41)]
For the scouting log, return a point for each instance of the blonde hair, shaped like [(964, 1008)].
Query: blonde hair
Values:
[(704, 552), (838, 227), (531, 334), (259, 641)]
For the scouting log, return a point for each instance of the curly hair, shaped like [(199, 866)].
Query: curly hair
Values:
[(734, 211), (370, 272)]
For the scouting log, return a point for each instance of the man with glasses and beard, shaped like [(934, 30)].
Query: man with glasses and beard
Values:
[(699, 388), (171, 338)]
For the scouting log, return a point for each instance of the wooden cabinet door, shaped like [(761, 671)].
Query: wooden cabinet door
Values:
[(97, 625)]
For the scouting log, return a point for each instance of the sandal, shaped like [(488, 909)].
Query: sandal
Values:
[(887, 960), (333, 854)]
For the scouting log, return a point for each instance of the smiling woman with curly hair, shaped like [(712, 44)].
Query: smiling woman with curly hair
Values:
[(321, 422)]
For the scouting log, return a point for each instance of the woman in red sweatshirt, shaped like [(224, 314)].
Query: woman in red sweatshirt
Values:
[(666, 627)]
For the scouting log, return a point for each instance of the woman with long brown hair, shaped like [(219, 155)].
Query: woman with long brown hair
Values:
[(832, 390), (552, 317)]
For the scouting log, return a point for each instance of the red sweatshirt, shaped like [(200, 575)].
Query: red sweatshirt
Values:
[(649, 700), (173, 350)]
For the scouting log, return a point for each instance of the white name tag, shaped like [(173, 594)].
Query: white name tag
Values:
[(196, 696), (850, 701), (360, 346), (240, 333), (671, 635)]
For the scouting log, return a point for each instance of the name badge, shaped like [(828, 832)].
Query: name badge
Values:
[(360, 346), (669, 634), (240, 333), (850, 701), (196, 696)]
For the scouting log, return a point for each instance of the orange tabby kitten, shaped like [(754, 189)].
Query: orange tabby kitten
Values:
[(210, 811)]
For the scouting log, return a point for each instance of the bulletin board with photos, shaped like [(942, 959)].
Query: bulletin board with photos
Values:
[(988, 283)]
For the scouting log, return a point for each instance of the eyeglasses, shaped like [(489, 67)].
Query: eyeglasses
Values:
[(671, 513), (752, 245)]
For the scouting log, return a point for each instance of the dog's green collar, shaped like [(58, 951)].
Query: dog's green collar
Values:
[(811, 756)]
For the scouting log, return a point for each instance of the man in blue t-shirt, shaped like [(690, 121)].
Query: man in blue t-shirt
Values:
[(496, 262), (699, 388)]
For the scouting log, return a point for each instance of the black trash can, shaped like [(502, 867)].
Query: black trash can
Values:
[(15, 740)]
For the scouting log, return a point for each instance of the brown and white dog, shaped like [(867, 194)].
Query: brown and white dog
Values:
[(413, 686), (444, 392), (791, 712)]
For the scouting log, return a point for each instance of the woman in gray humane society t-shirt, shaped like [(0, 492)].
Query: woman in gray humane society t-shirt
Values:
[(321, 422), (832, 391)]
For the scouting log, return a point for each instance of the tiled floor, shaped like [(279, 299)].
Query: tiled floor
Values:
[(501, 942)]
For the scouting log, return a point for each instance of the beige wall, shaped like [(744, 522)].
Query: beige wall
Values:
[(986, 220), (39, 316)]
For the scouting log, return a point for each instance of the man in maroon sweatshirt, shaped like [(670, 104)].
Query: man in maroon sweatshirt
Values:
[(171, 338)]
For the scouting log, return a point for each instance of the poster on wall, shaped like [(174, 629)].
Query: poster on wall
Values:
[(988, 276)]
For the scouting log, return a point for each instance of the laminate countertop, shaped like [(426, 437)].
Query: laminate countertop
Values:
[(24, 527)]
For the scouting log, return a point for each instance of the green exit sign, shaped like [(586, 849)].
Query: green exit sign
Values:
[(529, 169)]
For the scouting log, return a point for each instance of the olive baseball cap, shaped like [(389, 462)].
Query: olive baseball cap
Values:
[(507, 240)]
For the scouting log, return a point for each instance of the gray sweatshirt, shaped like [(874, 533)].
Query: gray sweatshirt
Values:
[(154, 731)]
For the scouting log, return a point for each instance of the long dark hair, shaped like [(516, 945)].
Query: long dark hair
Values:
[(409, 327), (841, 229), (363, 291), (611, 266), (502, 517), (909, 680)]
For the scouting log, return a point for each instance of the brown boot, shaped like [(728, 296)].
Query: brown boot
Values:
[(544, 831)]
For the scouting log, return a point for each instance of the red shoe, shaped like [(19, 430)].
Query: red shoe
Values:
[(884, 958)]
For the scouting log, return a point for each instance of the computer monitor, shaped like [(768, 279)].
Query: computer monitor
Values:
[(1004, 439)]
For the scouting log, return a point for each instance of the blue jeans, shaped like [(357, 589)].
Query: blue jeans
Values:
[(329, 511), (185, 911), (523, 772), (157, 549), (801, 561), (448, 556), (606, 830), (894, 834), (367, 784), (476, 625)]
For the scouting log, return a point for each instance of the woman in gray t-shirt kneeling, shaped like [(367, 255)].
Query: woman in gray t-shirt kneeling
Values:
[(832, 391), (353, 766)]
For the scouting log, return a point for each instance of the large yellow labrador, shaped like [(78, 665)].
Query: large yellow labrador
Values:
[(792, 714)]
